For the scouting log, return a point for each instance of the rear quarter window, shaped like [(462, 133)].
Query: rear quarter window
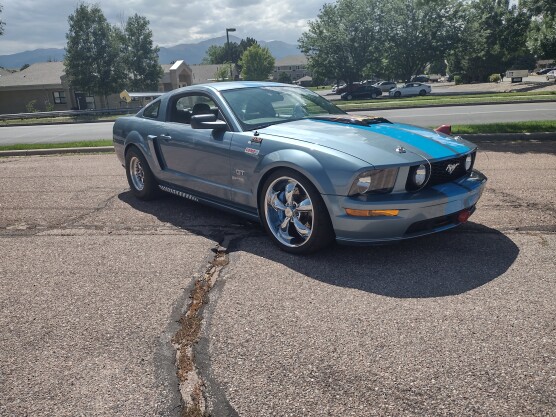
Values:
[(151, 111)]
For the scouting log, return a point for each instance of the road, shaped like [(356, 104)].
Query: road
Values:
[(478, 114), (421, 117), (93, 282)]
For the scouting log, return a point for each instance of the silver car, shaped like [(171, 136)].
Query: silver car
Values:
[(309, 172), (411, 89), (385, 85)]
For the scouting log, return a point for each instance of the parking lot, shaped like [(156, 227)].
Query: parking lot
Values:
[(94, 282)]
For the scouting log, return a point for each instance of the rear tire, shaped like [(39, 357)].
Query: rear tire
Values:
[(141, 180)]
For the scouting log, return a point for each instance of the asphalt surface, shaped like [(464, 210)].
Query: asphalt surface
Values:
[(460, 323), (425, 117)]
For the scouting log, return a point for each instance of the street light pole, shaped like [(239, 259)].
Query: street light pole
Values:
[(228, 50)]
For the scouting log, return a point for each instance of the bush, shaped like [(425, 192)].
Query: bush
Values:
[(31, 106), (494, 78), (458, 80)]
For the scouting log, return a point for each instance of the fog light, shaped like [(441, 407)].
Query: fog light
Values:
[(463, 216), (371, 213)]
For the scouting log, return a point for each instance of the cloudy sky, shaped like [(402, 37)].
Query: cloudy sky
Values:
[(33, 24)]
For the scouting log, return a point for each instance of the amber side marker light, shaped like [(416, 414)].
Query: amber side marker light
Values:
[(371, 213)]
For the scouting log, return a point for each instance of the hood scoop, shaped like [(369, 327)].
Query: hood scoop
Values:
[(349, 119)]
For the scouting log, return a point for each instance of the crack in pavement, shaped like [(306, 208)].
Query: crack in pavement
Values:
[(192, 386)]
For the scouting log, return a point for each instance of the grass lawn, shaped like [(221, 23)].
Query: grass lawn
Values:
[(82, 144), (515, 127)]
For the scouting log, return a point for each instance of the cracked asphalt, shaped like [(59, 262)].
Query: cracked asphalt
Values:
[(93, 283)]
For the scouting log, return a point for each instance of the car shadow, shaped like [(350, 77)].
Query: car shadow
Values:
[(444, 264)]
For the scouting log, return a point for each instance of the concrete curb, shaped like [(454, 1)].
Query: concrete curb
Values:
[(56, 151)]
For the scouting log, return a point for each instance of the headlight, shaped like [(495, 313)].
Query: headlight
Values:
[(418, 177), (375, 181), (468, 162)]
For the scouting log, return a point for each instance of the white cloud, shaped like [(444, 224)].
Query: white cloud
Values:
[(32, 24)]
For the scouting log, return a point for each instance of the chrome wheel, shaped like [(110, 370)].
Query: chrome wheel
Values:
[(136, 173), (289, 212)]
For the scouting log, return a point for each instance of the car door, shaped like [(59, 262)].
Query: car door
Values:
[(410, 89), (195, 159)]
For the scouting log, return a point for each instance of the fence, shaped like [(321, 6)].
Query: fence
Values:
[(69, 113)]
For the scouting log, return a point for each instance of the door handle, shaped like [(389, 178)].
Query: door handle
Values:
[(163, 137)]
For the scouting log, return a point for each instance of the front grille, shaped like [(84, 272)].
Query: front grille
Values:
[(448, 170), (441, 172)]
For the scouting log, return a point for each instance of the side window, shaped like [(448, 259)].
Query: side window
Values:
[(184, 107), (151, 111)]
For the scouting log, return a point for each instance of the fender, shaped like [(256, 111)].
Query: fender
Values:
[(308, 165)]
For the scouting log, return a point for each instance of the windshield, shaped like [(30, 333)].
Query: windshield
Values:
[(260, 107)]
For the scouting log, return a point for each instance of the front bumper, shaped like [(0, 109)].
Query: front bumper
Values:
[(428, 211)]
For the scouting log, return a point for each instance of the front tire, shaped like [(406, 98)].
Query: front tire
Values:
[(139, 175), (422, 93), (294, 214), (397, 94)]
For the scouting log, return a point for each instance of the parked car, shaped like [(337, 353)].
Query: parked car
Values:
[(551, 75), (411, 89), (308, 171), (545, 71), (347, 88), (420, 79), (367, 91), (385, 85)]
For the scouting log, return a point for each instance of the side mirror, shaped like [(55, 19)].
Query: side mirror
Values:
[(207, 121)]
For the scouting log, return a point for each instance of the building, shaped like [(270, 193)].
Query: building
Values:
[(44, 87), (295, 66)]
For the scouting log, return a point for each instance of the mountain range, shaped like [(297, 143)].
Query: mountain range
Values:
[(191, 53)]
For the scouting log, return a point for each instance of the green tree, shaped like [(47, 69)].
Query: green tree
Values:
[(420, 32), (216, 54), (493, 40), (223, 72), (539, 7), (542, 37), (140, 56), (346, 39), (92, 52), (257, 63), (2, 23), (285, 78)]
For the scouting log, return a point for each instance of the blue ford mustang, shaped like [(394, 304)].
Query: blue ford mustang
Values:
[(308, 171)]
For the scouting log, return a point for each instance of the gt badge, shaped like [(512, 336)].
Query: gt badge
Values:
[(256, 139)]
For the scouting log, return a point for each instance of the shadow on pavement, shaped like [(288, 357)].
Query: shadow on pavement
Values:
[(444, 264), (525, 146)]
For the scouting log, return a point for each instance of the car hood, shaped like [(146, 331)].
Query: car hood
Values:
[(372, 139)]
